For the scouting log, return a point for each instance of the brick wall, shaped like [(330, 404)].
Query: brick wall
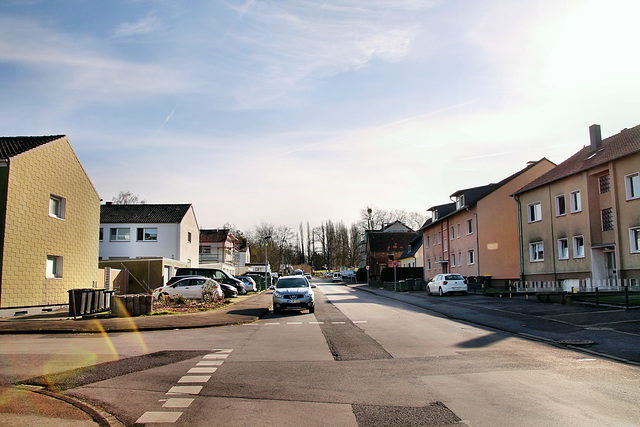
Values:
[(31, 234)]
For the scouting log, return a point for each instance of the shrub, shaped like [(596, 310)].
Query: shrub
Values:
[(180, 300)]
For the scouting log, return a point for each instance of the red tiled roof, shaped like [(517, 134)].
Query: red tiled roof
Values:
[(617, 146)]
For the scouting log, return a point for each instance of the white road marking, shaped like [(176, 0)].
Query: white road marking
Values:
[(185, 389), (338, 323), (215, 356), (201, 370), (159, 417), (194, 379), (359, 321), (177, 402), (316, 323), (210, 363), (222, 350), (272, 323), (294, 323)]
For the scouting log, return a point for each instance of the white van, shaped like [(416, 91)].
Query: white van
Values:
[(337, 277)]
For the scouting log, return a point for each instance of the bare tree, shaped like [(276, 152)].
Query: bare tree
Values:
[(127, 198)]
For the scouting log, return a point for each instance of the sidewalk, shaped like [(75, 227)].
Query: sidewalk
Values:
[(245, 308)]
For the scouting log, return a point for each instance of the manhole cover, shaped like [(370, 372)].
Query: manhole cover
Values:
[(577, 342)]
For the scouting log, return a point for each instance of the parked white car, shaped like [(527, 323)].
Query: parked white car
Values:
[(443, 284), (190, 287)]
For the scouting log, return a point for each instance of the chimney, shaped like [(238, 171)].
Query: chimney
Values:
[(596, 137)]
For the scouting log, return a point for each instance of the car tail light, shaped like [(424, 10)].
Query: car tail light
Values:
[(444, 283), (464, 281)]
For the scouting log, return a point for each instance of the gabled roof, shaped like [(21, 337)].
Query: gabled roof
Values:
[(142, 213), (396, 222), (11, 146), (615, 147), (413, 247), (215, 236), (389, 241)]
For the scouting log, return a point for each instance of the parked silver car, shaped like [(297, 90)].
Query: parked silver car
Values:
[(249, 283), (443, 284), (293, 293)]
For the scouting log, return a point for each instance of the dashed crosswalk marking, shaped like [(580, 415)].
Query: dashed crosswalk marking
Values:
[(338, 323), (177, 402), (272, 323), (294, 323), (359, 321), (208, 370), (316, 323), (208, 365), (216, 356), (185, 389), (194, 379), (159, 417)]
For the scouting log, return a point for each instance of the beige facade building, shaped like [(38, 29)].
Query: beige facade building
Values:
[(580, 222), (477, 234), (50, 220)]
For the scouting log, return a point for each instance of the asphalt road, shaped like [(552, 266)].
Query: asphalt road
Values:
[(360, 360)]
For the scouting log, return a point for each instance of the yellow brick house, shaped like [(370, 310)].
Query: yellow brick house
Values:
[(49, 222)]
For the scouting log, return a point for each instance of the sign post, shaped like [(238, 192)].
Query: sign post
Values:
[(395, 281)]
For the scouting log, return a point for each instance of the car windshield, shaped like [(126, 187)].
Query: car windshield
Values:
[(453, 277), (296, 282)]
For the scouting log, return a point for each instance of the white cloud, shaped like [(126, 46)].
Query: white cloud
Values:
[(143, 26)]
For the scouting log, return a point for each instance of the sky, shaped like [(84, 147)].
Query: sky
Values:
[(296, 111)]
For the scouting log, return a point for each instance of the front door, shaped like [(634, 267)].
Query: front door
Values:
[(610, 265)]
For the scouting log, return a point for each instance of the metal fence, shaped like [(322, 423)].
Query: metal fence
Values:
[(577, 285)]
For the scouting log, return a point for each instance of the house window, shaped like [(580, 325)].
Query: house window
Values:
[(561, 207), (536, 252), (471, 257), (604, 183), (428, 242), (459, 233), (634, 239), (453, 260), (429, 264), (607, 219), (576, 201), (189, 237), (469, 226), (101, 234), (460, 259), (563, 249), (632, 184), (56, 206), (147, 234), (460, 202), (453, 234), (578, 247), (439, 237), (535, 212), (119, 235), (54, 267)]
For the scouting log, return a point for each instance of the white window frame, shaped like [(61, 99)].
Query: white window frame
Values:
[(459, 230), (125, 238), (575, 197), (634, 240), (534, 212), (101, 235), (57, 206), (563, 198), (632, 186), (534, 252), (453, 260), (576, 252), (563, 248), (53, 269), (452, 235), (427, 242), (428, 263), (469, 226), (471, 257)]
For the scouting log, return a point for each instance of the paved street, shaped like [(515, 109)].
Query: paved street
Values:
[(361, 360)]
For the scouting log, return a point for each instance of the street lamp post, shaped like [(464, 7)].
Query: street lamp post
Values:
[(266, 261)]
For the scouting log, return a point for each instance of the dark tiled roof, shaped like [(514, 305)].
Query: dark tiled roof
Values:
[(413, 247), (11, 146), (214, 236), (389, 241), (617, 146), (143, 213)]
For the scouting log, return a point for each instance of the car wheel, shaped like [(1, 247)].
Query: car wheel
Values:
[(440, 292), (276, 311), (312, 310), (429, 291)]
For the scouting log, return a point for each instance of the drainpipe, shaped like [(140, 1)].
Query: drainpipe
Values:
[(520, 237)]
